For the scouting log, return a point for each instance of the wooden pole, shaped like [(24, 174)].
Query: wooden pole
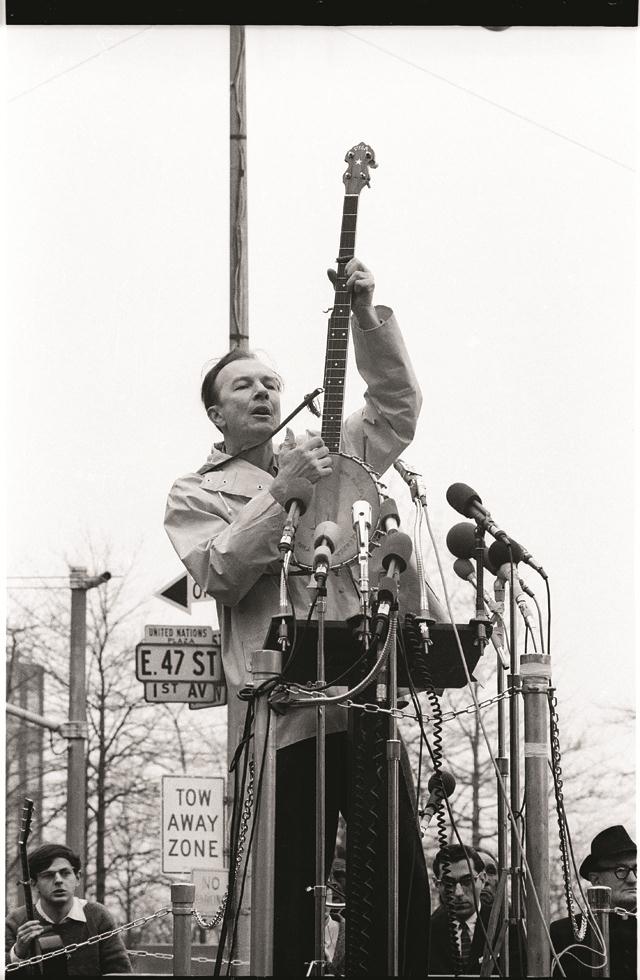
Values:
[(238, 283), (238, 337)]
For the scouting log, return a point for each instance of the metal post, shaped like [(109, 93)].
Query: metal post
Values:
[(239, 318), (76, 729), (266, 664), (77, 746), (182, 898), (599, 899), (536, 674)]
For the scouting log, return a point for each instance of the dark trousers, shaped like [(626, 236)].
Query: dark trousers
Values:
[(294, 929)]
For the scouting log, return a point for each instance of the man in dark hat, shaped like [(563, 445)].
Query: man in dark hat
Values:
[(612, 862)]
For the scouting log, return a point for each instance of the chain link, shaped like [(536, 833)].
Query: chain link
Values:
[(72, 947), (579, 930), (242, 836)]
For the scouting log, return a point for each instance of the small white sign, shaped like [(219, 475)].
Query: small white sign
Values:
[(183, 662), (192, 823), (211, 887), (207, 693), (182, 591), (196, 635)]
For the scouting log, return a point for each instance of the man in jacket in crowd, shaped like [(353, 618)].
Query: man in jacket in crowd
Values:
[(55, 873), (612, 862)]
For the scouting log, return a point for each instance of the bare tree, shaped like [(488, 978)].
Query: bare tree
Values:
[(131, 743)]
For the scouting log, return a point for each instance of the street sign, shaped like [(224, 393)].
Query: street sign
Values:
[(192, 823), (182, 634), (183, 662), (211, 887), (182, 591), (208, 694)]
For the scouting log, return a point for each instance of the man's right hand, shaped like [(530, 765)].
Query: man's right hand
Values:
[(25, 935), (310, 460)]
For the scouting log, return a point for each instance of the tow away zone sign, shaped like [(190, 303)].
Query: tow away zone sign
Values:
[(192, 823)]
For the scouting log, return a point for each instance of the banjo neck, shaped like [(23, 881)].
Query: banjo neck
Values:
[(359, 159)]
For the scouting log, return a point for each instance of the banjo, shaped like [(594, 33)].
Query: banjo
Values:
[(351, 479)]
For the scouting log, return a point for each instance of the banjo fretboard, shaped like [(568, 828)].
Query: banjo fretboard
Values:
[(335, 365)]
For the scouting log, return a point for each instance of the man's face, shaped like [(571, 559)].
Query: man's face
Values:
[(57, 884), (458, 888), (623, 892), (491, 876), (247, 405)]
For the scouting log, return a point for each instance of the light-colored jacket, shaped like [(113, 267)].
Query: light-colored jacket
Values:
[(225, 525)]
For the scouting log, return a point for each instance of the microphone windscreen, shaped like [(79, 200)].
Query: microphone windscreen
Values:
[(463, 568), (389, 509), (499, 554), (327, 532), (461, 540), (488, 564), (300, 490), (448, 781), (397, 546), (460, 496)]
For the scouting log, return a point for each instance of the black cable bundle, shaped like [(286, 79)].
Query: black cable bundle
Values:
[(366, 925), (418, 669)]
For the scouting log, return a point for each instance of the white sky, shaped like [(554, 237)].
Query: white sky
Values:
[(500, 227)]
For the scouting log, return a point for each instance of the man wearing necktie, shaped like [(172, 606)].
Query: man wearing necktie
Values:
[(458, 947)]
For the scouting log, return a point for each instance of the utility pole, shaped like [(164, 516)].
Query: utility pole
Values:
[(79, 583), (238, 282), (238, 337)]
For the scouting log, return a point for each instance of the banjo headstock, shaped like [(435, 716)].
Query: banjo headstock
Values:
[(25, 824), (360, 159)]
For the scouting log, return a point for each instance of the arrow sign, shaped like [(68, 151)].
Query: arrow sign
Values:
[(182, 591)]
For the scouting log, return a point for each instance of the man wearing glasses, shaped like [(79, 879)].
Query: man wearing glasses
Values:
[(611, 862), (55, 873), (459, 873)]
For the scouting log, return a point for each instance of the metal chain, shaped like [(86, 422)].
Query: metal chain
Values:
[(194, 959), (579, 930), (242, 836), (72, 947), (447, 715)]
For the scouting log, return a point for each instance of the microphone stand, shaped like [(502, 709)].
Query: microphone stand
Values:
[(321, 571), (502, 763), (513, 679), (393, 805)]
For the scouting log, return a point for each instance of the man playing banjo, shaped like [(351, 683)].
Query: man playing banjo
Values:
[(226, 522)]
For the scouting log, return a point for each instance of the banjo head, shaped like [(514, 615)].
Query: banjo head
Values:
[(332, 500)]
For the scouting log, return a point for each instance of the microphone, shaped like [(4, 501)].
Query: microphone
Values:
[(324, 543), (441, 783), (461, 540), (499, 556), (468, 503), (412, 479), (464, 570), (389, 517), (298, 499)]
